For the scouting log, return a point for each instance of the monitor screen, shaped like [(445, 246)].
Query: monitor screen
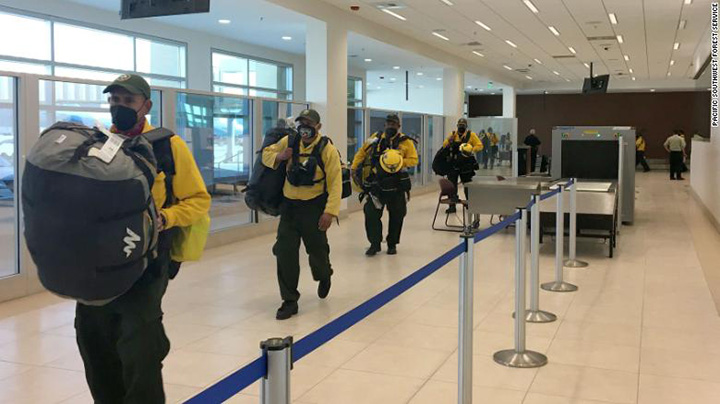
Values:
[(155, 8), (590, 159), (598, 84)]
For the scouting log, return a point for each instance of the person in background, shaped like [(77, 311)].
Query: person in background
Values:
[(485, 153), (123, 343), (640, 147), (534, 143), (313, 191), (493, 142), (462, 168), (675, 145)]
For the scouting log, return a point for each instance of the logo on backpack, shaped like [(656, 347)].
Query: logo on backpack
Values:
[(130, 242)]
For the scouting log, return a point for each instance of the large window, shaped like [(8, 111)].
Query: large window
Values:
[(355, 131), (218, 131), (241, 75), (355, 92), (54, 47), (8, 146)]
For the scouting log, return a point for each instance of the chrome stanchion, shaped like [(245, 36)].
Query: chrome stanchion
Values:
[(465, 324), (535, 315), (573, 262), (520, 357), (559, 285), (275, 388)]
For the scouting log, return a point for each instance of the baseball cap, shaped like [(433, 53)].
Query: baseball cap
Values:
[(393, 118), (132, 83), (310, 114), (462, 121)]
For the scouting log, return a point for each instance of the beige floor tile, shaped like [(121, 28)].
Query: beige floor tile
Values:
[(504, 324), (37, 350), (665, 390), (334, 353), (487, 343), (199, 369), (71, 361), (42, 385), (586, 383), (487, 373), (699, 365), (413, 335), (603, 356), (8, 369), (214, 316), (606, 314), (680, 340), (599, 333), (367, 331), (397, 360), (231, 341), (535, 398), (363, 388), (182, 334), (434, 392)]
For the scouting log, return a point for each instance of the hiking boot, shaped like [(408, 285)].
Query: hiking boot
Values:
[(324, 288), (372, 251), (392, 250), (287, 310), (451, 209)]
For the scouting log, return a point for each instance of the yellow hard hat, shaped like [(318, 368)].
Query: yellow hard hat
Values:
[(391, 161), (466, 149)]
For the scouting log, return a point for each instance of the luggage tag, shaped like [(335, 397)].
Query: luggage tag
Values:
[(109, 149)]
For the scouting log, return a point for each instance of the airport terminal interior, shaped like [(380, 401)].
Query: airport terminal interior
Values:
[(604, 110)]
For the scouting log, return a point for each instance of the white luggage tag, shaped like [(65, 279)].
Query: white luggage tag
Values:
[(109, 149)]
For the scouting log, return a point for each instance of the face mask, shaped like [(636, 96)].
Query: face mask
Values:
[(462, 129), (391, 132), (123, 118), (306, 131)]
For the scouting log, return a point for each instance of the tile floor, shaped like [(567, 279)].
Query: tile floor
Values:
[(641, 329)]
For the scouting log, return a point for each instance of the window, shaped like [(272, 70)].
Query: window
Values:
[(50, 47), (8, 146), (355, 92), (240, 75)]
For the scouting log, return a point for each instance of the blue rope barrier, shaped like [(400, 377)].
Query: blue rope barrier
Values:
[(331, 330), (549, 194), (482, 235), (233, 384)]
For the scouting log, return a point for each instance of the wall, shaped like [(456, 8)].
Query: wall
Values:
[(428, 100), (655, 113), (704, 178), (199, 44)]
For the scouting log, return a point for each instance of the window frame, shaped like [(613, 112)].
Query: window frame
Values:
[(357, 102), (287, 94), (52, 64)]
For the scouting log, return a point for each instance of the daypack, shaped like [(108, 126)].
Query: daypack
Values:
[(303, 174), (264, 191), (90, 226), (449, 159), (367, 171)]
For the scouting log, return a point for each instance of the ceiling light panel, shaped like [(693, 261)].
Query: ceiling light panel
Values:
[(554, 31), (441, 36), (531, 6), (613, 18), (511, 43), (394, 14), (480, 23), (448, 2)]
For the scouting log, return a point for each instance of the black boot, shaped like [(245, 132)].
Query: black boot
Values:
[(392, 250), (451, 209), (287, 310), (324, 288), (373, 250)]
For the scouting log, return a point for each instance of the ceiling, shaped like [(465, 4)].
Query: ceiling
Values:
[(649, 29)]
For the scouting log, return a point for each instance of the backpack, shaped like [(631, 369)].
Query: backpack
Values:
[(303, 174), (370, 166), (264, 191), (90, 226), (449, 158)]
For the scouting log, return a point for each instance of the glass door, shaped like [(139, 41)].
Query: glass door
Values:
[(9, 263)]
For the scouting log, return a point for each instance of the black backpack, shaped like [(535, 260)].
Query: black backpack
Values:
[(264, 191), (304, 174)]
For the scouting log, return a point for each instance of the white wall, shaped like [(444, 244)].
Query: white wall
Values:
[(704, 169), (199, 43), (427, 100)]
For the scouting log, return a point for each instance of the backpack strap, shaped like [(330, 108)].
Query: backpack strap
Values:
[(162, 147)]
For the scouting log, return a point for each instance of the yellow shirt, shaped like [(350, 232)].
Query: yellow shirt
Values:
[(493, 139), (406, 148), (332, 175), (474, 141), (188, 187), (640, 144)]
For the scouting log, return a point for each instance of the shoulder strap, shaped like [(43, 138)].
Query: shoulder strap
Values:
[(162, 147)]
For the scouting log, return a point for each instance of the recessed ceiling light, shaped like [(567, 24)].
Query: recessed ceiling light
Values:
[(394, 14), (478, 54), (676, 46), (620, 39), (613, 18), (568, 80), (510, 43), (556, 73), (528, 77), (483, 25), (672, 63), (507, 67), (492, 93), (439, 79), (420, 73), (587, 65), (538, 61), (669, 74), (631, 71), (469, 87), (441, 36), (396, 67), (633, 79), (554, 31), (571, 49), (287, 38), (368, 60), (482, 90), (652, 90), (683, 24), (392, 79), (224, 21), (531, 6), (448, 2), (688, 2)]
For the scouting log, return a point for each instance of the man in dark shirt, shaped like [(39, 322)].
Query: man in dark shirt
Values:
[(534, 143)]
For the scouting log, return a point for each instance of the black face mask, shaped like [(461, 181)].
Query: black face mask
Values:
[(391, 132), (123, 118), (306, 131), (462, 129)]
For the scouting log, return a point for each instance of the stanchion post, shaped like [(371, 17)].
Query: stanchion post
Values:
[(520, 357), (275, 388), (572, 261), (559, 285), (465, 324), (535, 315)]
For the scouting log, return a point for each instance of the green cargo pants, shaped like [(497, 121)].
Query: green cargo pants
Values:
[(123, 343), (299, 221)]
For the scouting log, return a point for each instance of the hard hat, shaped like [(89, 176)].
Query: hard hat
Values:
[(391, 161), (466, 149)]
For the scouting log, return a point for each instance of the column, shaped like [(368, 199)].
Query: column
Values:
[(453, 97), (326, 78), (509, 102)]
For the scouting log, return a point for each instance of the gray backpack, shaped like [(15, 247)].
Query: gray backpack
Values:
[(90, 226)]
